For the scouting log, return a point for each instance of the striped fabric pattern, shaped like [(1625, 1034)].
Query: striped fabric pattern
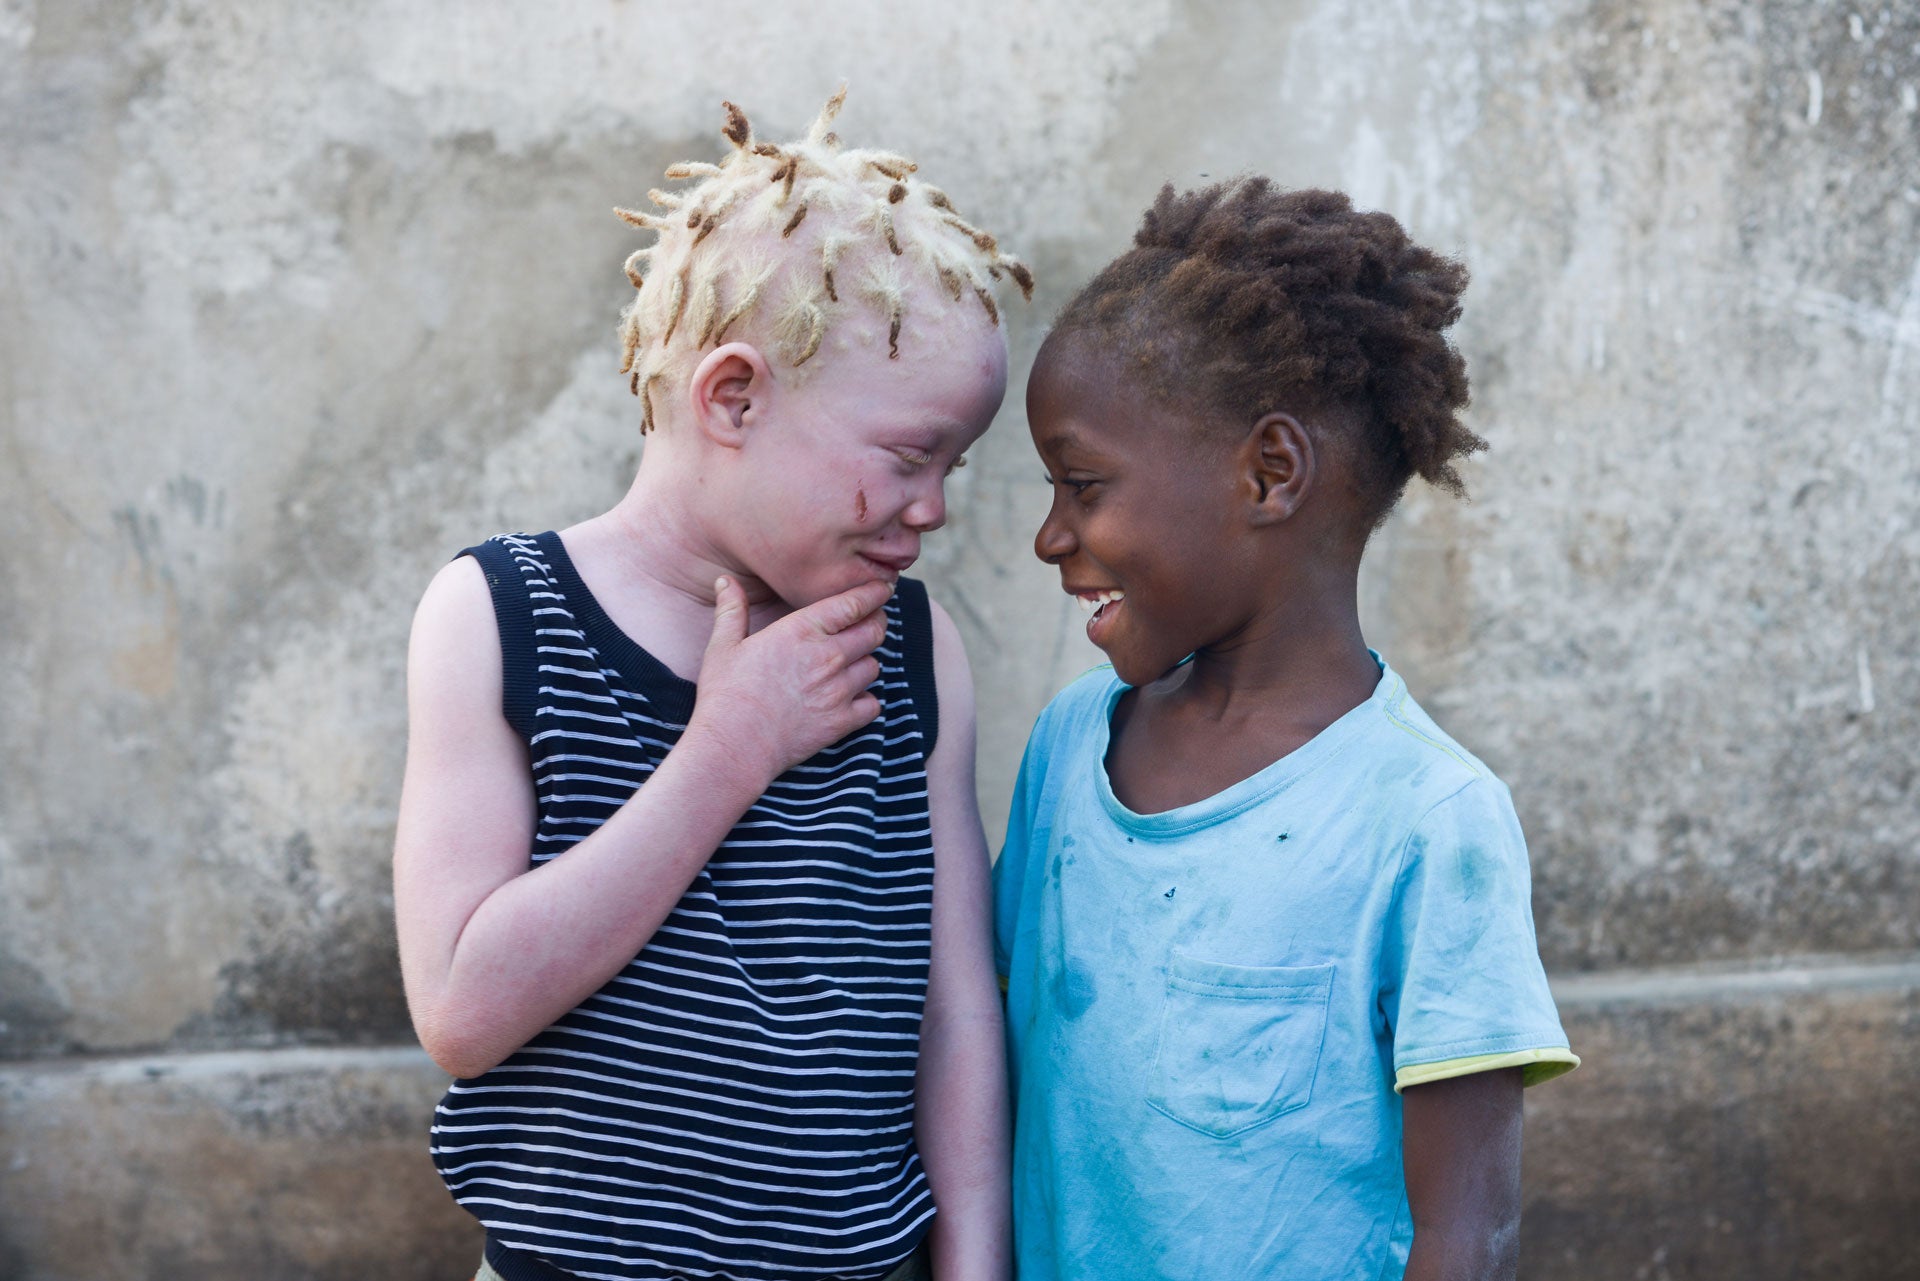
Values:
[(738, 1101)]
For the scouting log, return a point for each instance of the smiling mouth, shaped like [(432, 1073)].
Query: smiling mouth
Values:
[(1102, 606)]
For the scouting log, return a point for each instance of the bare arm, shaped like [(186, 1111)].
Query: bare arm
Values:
[(492, 952), (960, 1119), (1460, 1145)]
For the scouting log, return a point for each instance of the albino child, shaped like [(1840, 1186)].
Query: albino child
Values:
[(1273, 984), (690, 883)]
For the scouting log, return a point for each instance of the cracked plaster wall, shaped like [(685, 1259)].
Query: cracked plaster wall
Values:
[(297, 300)]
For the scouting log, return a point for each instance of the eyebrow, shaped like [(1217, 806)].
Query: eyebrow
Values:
[(931, 433), (940, 426), (1059, 438)]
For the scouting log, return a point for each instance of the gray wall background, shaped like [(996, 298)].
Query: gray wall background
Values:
[(296, 300)]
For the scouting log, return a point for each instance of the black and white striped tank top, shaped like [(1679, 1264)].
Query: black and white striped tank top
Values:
[(738, 1101)]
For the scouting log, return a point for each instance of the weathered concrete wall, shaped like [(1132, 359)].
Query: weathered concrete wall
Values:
[(258, 1164), (1751, 1122), (297, 300)]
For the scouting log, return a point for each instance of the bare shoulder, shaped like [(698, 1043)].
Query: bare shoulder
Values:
[(962, 916), (953, 682), (467, 784), (456, 721), (946, 633), (457, 595), (455, 641)]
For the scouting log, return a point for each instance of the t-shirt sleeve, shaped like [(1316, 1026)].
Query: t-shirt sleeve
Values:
[(1010, 869), (1462, 987), (1062, 731)]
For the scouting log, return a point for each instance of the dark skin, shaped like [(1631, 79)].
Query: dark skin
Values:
[(1460, 1148), (1238, 543)]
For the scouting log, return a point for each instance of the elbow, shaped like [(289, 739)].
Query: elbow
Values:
[(456, 1049), (1488, 1250), (1504, 1249), (462, 1066), (976, 1026), (1500, 1239)]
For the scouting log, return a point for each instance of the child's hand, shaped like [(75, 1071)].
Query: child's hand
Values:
[(775, 698)]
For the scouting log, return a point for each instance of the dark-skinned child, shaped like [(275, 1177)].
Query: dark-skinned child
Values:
[(1273, 987)]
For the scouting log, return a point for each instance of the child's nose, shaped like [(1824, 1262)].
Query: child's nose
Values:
[(1054, 543), (928, 511)]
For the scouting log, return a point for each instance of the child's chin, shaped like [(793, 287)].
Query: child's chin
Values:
[(1137, 670), (1130, 670), (815, 589)]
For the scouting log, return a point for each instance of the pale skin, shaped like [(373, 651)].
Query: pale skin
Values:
[(1241, 549), (753, 554)]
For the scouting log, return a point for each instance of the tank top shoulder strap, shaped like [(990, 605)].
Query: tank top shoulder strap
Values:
[(916, 636), (514, 572)]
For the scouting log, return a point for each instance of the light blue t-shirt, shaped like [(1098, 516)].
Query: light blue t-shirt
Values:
[(1211, 1008)]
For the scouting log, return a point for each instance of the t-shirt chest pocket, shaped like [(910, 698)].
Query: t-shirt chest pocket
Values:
[(1239, 1044)]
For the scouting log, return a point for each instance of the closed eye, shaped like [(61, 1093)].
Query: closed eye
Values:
[(1076, 485), (910, 460)]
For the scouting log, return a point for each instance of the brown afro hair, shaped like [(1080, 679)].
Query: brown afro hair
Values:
[(1253, 299)]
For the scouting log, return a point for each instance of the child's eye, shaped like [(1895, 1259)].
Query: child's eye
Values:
[(913, 457)]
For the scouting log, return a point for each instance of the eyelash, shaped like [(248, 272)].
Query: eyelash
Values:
[(914, 458), (1077, 486)]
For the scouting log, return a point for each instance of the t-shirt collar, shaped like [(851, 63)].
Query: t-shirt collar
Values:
[(1250, 791)]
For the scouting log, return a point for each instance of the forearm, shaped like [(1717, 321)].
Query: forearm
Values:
[(541, 943), (961, 1124)]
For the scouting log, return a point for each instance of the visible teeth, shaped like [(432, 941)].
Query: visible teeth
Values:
[(1090, 603)]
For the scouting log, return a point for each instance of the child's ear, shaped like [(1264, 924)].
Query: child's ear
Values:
[(1279, 467), (726, 386)]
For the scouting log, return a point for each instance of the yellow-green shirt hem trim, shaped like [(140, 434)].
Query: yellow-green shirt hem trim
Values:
[(1535, 1066)]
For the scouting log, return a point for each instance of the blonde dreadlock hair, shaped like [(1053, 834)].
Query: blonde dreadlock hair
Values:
[(784, 239)]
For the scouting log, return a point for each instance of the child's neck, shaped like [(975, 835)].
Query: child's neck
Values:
[(1242, 704), (651, 563), (1304, 662)]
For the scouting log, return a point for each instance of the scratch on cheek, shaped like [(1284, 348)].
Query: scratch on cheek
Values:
[(860, 504)]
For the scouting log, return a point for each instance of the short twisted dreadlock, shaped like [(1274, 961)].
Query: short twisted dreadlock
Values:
[(782, 239), (1256, 300)]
